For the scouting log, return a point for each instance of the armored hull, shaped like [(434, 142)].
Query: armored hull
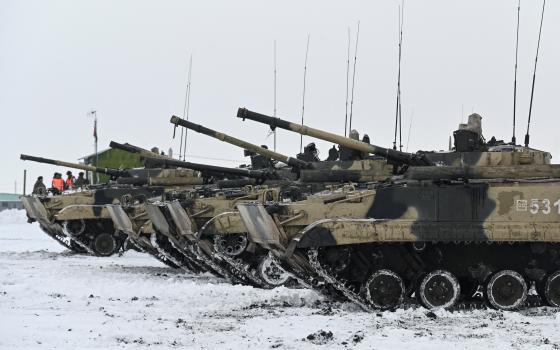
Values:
[(79, 219), (440, 241)]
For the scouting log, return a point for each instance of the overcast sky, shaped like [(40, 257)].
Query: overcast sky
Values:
[(129, 61)]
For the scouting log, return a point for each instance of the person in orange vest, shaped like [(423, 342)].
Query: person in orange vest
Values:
[(69, 184), (57, 184)]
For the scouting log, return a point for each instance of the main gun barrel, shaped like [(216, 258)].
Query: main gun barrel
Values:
[(240, 143), (390, 154), (108, 171), (213, 169)]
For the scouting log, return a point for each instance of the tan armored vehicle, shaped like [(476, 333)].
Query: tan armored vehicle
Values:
[(178, 222), (78, 219), (439, 232)]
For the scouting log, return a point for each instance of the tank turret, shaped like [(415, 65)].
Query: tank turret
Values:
[(210, 169), (240, 143), (392, 155), (471, 149)]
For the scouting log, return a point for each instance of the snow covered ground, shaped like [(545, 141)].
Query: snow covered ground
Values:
[(50, 298)]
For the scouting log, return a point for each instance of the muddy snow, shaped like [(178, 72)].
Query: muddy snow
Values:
[(51, 298)]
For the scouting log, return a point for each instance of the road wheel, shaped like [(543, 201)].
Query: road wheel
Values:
[(384, 290), (438, 289), (104, 244), (506, 290)]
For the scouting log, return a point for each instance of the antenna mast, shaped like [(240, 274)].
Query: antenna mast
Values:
[(398, 112), (354, 75), (409, 129), (534, 77), (274, 113), (303, 100), (513, 140), (186, 107), (347, 78)]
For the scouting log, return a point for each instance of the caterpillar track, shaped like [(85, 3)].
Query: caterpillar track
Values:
[(165, 248), (62, 239), (326, 277), (148, 249)]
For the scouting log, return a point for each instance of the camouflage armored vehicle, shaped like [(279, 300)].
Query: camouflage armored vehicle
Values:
[(173, 228), (439, 232), (78, 220), (227, 245), (316, 171), (203, 202)]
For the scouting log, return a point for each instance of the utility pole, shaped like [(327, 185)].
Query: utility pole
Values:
[(93, 113), (24, 181)]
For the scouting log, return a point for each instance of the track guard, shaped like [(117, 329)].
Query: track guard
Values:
[(159, 222), (261, 227), (181, 220), (35, 208), (120, 219)]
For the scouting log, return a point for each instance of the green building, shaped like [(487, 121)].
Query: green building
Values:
[(10, 201), (111, 158)]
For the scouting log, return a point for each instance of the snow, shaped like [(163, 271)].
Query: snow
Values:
[(50, 298)]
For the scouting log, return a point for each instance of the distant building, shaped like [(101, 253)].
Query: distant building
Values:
[(114, 158), (10, 201)]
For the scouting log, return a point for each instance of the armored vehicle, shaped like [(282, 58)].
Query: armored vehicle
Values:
[(244, 263), (316, 170), (441, 232), (173, 228), (77, 218), (203, 202)]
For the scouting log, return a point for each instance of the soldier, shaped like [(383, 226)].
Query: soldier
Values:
[(348, 153), (259, 161), (39, 187), (69, 184), (81, 181), (57, 184), (310, 153), (365, 139), (333, 154)]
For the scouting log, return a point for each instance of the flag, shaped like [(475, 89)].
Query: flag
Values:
[(95, 130)]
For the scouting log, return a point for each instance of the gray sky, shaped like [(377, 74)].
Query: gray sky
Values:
[(129, 60)]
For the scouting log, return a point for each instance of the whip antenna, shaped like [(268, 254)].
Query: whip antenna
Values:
[(400, 96), (274, 114), (398, 104), (186, 107), (534, 77), (303, 100), (354, 75), (513, 141), (347, 78)]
